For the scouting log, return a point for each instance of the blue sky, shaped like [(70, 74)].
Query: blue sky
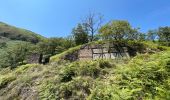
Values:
[(56, 18)]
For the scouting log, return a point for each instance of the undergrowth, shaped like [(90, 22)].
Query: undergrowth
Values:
[(144, 77)]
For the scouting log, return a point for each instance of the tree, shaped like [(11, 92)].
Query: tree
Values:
[(134, 34), (92, 23), (69, 42), (55, 45), (164, 34), (48, 47), (43, 47), (80, 35), (142, 37), (152, 35), (117, 29), (4, 61), (16, 54)]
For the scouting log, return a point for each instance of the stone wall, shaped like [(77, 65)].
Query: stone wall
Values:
[(33, 58), (38, 58), (85, 54), (103, 52), (72, 56)]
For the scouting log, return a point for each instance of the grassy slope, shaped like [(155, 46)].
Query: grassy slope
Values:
[(58, 57), (19, 33), (13, 37), (144, 77), (148, 44)]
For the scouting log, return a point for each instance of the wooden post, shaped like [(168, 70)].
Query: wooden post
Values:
[(92, 52), (102, 51)]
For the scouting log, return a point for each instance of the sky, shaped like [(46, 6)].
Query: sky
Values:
[(56, 18)]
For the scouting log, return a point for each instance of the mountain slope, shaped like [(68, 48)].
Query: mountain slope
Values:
[(15, 33), (94, 80), (13, 40)]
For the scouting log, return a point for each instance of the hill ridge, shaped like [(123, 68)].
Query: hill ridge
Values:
[(16, 33)]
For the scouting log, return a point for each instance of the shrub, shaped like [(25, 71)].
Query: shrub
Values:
[(47, 90), (67, 74), (78, 88), (4, 80), (109, 92), (105, 64)]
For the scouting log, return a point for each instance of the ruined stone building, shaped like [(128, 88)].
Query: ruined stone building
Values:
[(38, 58), (105, 51), (33, 58)]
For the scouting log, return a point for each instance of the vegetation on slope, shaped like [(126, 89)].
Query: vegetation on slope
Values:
[(138, 80), (143, 77), (17, 44), (62, 55), (15, 33), (99, 79), (134, 47), (14, 53)]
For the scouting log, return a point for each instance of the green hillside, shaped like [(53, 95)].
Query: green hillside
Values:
[(59, 73), (14, 33), (92, 80), (16, 44)]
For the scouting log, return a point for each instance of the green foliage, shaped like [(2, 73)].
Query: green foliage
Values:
[(14, 53), (74, 80), (68, 43), (47, 91), (4, 80), (80, 35), (117, 30), (67, 74), (7, 76), (145, 76), (107, 91), (54, 46), (15, 33), (76, 69), (137, 80), (2, 44), (164, 35), (152, 34), (60, 56), (16, 44), (136, 46), (105, 64)]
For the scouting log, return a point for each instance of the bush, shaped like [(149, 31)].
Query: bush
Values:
[(93, 69), (78, 88), (4, 80), (144, 77), (109, 92), (105, 64), (68, 74)]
